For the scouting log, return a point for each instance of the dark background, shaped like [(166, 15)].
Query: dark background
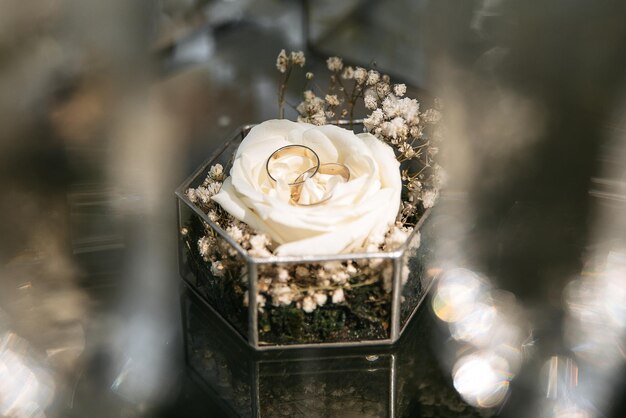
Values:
[(105, 107)]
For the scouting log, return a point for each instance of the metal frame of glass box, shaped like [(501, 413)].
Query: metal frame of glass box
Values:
[(396, 258)]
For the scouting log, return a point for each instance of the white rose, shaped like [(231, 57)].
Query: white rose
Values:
[(364, 206)]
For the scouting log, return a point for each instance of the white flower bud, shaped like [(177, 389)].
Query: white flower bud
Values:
[(338, 296)]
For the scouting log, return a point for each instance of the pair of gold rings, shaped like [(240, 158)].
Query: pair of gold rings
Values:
[(316, 167)]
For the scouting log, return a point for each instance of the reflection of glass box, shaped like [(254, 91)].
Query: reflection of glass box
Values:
[(375, 310), (399, 381)]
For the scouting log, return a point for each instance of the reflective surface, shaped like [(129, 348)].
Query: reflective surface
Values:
[(105, 108)]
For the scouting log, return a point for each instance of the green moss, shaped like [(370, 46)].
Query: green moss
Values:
[(364, 315), (329, 323)]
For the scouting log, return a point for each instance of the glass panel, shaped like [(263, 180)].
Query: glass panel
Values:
[(213, 268), (216, 358), (415, 276), (304, 303), (346, 387)]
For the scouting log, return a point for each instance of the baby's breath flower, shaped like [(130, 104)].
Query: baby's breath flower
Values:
[(204, 247), (407, 150), (350, 269), (311, 110), (213, 216), (204, 194), (308, 95), (282, 61), (313, 105), (348, 73), (282, 275), (373, 77), (360, 75), (414, 184), (235, 233), (410, 110), (415, 132), (429, 197), (261, 301), (282, 295), (416, 241), (263, 284), (375, 119), (217, 269), (217, 172), (370, 99), (399, 89), (334, 63), (191, 195), (259, 241), (318, 118), (382, 89), (258, 246), (408, 209), (391, 106), (431, 116), (297, 58), (340, 276), (320, 298), (338, 296), (332, 266), (308, 304), (397, 236), (302, 272), (396, 129), (332, 100), (309, 76)]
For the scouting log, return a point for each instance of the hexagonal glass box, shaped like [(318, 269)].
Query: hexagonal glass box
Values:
[(375, 307)]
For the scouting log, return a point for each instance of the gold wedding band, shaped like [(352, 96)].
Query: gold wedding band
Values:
[(299, 151), (334, 169)]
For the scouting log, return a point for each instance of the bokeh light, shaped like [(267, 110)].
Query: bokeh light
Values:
[(482, 379), (26, 388)]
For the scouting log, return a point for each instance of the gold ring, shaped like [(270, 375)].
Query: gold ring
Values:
[(334, 169), (297, 150)]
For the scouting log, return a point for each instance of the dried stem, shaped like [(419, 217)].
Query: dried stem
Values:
[(282, 88)]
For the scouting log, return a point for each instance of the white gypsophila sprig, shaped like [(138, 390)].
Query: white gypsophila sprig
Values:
[(399, 89), (348, 73), (313, 109), (217, 172), (332, 100), (398, 121), (282, 61), (360, 75), (285, 63), (298, 58), (373, 77), (334, 63)]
